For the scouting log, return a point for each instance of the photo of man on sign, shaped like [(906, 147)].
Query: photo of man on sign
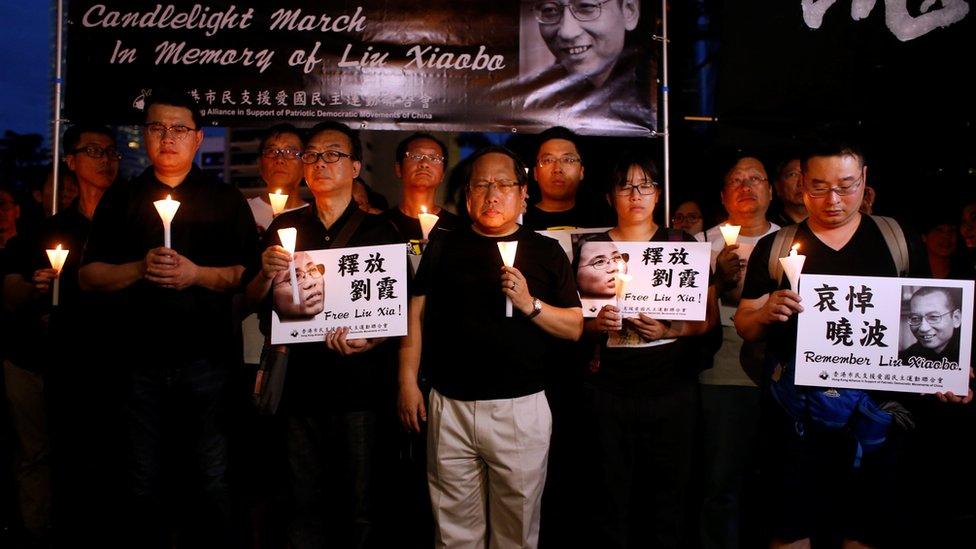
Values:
[(311, 290), (933, 316)]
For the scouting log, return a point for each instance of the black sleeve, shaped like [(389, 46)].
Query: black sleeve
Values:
[(758, 282), (563, 292), (420, 284)]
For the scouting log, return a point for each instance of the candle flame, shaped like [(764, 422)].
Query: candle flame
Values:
[(423, 209), (58, 247), (278, 191)]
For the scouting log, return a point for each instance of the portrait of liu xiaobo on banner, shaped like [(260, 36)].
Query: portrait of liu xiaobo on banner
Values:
[(311, 290), (933, 316)]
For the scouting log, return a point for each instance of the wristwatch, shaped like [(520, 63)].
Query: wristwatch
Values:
[(536, 308)]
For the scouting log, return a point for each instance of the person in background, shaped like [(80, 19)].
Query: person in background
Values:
[(688, 218), (280, 166)]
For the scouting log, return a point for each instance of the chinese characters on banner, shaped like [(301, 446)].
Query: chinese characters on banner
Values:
[(664, 280), (363, 289), (891, 334)]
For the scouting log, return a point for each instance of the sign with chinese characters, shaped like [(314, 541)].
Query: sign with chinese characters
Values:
[(891, 334), (431, 65), (363, 289), (664, 280)]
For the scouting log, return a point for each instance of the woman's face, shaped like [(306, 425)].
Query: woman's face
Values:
[(941, 240), (688, 218), (632, 206), (598, 266), (311, 289)]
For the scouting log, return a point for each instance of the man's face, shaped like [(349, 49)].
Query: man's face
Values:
[(598, 266), (632, 207), (311, 289), (171, 153), (590, 48), (97, 172), (934, 335), (283, 171), (789, 186), (326, 178), (833, 209), (495, 210), (9, 212), (425, 173), (746, 192), (688, 218), (967, 227), (558, 169)]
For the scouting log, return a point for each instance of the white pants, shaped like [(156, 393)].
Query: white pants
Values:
[(494, 450)]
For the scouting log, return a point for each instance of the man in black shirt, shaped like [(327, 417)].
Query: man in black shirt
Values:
[(172, 324), (489, 420), (804, 457)]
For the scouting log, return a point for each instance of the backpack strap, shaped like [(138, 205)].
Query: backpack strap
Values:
[(781, 248), (895, 239)]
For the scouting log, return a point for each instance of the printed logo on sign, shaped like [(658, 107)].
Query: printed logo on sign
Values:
[(294, 333), (824, 375)]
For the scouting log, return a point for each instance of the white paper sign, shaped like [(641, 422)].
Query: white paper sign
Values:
[(892, 334), (363, 289), (664, 280)]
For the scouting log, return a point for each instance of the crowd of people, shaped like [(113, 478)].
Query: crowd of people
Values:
[(129, 402)]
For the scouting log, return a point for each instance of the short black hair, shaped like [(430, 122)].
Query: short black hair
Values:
[(72, 136), (831, 145), (521, 172), (279, 129), (176, 99), (331, 125), (401, 149), (953, 295), (559, 132), (621, 167)]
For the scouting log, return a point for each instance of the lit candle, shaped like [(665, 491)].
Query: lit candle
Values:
[(730, 233), (167, 209), (278, 202), (620, 281), (288, 237), (507, 249), (56, 257), (427, 221), (792, 265)]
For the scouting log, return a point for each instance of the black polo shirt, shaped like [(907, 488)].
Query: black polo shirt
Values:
[(212, 228), (580, 216), (320, 380), (471, 350)]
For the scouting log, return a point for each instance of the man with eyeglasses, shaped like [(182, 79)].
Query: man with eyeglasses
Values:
[(35, 363), (420, 162), (596, 73), (175, 303), (334, 394), (789, 191), (559, 172), (280, 166), (934, 318), (803, 456), (489, 421), (730, 392)]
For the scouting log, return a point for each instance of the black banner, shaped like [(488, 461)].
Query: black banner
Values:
[(447, 65)]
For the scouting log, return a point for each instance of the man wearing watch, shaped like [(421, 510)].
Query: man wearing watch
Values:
[(488, 438)]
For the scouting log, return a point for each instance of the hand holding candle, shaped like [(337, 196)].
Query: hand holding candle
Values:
[(278, 202), (427, 222), (57, 257), (507, 249), (288, 237), (167, 209), (792, 266), (730, 233)]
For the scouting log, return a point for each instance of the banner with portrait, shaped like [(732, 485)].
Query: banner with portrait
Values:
[(362, 288), (891, 334), (663, 280), (431, 65)]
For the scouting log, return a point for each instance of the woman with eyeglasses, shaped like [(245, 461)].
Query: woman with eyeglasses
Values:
[(688, 218), (642, 401)]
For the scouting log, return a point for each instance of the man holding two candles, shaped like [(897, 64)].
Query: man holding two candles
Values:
[(805, 464), (171, 325)]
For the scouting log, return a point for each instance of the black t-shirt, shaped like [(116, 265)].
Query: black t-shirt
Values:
[(212, 228), (646, 371), (577, 217), (866, 254), (318, 379), (471, 350), (409, 227)]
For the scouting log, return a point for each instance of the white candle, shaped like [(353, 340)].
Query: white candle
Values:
[(507, 249), (167, 209), (278, 202), (288, 237), (427, 221), (730, 233), (57, 256), (792, 266), (620, 281)]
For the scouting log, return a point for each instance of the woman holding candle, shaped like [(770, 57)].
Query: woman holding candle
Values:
[(643, 399)]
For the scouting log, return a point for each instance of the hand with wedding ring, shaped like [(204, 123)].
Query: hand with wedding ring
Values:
[(515, 287)]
